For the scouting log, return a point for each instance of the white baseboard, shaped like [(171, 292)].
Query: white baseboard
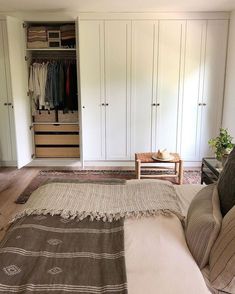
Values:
[(8, 163), (55, 162)]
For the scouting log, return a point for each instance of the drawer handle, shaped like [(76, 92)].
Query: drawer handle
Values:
[(56, 125)]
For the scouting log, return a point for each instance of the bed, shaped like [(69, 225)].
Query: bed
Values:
[(89, 238)]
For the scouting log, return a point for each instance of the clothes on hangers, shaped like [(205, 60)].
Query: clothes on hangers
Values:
[(71, 93), (37, 81), (53, 85)]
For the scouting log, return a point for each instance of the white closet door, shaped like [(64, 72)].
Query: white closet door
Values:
[(5, 131), (192, 85), (91, 41), (19, 85), (143, 41), (215, 57), (117, 81), (168, 85)]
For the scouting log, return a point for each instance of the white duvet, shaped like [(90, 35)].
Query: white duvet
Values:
[(157, 257)]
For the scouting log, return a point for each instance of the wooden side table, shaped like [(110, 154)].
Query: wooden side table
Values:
[(143, 161)]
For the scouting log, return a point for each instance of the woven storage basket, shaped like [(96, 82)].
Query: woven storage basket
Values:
[(69, 117), (44, 116)]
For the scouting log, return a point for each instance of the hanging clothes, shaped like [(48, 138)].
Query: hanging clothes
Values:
[(53, 85), (37, 81), (71, 100), (61, 77), (42, 74), (48, 88)]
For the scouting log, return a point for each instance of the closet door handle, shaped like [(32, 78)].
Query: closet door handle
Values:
[(106, 104), (103, 104), (9, 104), (204, 104), (5, 104), (199, 104), (158, 104)]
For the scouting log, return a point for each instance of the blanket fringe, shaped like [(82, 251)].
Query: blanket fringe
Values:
[(106, 217)]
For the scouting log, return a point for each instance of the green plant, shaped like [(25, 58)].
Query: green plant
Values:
[(222, 145)]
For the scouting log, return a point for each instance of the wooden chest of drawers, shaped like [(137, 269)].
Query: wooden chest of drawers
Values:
[(56, 140)]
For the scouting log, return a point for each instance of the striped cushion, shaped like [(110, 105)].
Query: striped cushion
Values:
[(203, 224), (222, 257), (226, 184)]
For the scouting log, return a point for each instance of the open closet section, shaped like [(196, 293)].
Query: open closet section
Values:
[(53, 89)]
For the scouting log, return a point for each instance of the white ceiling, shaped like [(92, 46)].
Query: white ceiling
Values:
[(116, 5)]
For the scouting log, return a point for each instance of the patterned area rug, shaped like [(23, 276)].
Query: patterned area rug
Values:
[(94, 176)]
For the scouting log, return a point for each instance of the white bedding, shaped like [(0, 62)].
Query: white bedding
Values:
[(157, 257)]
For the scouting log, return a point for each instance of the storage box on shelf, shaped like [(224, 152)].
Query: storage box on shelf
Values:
[(68, 117), (47, 35), (44, 116)]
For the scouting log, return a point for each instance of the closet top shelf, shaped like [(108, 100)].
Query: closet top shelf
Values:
[(51, 49)]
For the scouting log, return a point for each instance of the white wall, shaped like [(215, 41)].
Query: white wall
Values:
[(229, 99)]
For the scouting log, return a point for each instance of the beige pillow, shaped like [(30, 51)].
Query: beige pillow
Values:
[(222, 257), (203, 224)]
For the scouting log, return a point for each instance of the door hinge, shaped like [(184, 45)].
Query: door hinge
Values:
[(24, 25), (26, 58), (30, 127), (28, 93), (32, 156)]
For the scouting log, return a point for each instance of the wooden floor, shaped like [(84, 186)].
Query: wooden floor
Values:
[(12, 183)]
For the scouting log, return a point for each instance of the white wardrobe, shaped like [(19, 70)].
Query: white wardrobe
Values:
[(148, 84), (15, 117), (105, 89), (148, 81)]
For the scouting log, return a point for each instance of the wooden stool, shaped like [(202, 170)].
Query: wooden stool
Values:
[(144, 159)]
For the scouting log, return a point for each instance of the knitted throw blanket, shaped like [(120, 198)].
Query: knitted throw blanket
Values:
[(104, 202)]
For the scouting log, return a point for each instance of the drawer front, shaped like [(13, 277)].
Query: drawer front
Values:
[(58, 152), (56, 128), (56, 139)]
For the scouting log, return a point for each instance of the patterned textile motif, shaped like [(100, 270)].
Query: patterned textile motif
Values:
[(11, 270), (63, 257), (54, 242)]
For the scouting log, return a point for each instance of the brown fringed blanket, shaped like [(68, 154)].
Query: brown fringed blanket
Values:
[(44, 253)]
